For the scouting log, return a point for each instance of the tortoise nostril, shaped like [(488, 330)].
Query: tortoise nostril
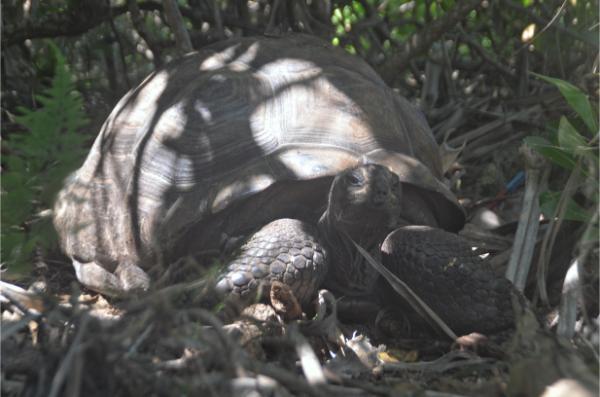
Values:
[(380, 197)]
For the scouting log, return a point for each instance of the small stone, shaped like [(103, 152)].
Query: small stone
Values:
[(285, 258)]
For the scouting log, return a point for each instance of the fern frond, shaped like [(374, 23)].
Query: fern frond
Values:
[(38, 161)]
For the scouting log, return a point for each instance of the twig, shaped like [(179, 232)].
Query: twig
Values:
[(406, 292), (572, 292), (175, 20), (218, 20), (484, 54), (570, 296), (442, 364), (11, 328), (140, 27), (113, 27), (67, 362), (135, 345), (526, 236), (26, 301), (552, 232), (261, 385), (493, 125), (308, 359), (549, 24), (290, 380), (270, 29)]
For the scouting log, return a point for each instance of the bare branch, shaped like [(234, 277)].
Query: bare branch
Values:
[(175, 20), (138, 23)]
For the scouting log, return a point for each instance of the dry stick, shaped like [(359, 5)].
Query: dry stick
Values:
[(525, 238), (484, 54), (113, 27), (254, 386), (65, 366), (140, 27), (270, 29), (175, 20), (287, 378), (73, 387), (572, 293), (408, 294), (475, 151), (10, 328), (442, 364), (493, 125), (218, 19), (26, 301), (302, 15), (139, 340), (308, 359), (552, 232)]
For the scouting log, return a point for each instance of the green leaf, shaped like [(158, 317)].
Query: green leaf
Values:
[(591, 235), (37, 162), (569, 138), (574, 212), (552, 152), (576, 99)]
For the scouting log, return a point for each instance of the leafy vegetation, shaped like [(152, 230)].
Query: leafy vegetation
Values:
[(37, 161), (574, 152)]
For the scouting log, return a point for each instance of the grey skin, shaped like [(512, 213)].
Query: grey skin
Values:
[(365, 204)]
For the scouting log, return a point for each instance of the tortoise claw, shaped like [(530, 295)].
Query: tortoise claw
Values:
[(126, 279)]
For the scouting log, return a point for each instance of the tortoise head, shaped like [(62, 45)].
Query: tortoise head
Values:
[(364, 200)]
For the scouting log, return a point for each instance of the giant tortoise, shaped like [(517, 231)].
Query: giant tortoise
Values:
[(294, 144)]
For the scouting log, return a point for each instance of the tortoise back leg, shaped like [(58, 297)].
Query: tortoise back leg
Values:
[(287, 250), (444, 271)]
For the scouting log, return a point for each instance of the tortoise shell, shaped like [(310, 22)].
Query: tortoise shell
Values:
[(237, 134)]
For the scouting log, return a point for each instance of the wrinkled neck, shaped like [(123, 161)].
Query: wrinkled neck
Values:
[(349, 274)]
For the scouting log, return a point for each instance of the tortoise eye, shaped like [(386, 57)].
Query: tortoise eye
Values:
[(355, 179)]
